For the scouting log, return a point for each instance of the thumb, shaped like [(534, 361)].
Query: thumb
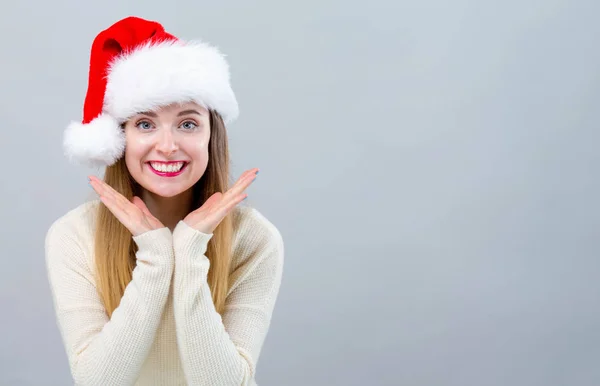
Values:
[(216, 197)]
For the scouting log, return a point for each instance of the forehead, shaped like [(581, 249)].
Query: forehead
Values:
[(175, 108)]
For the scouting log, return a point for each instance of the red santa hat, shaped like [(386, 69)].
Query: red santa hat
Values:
[(136, 66)]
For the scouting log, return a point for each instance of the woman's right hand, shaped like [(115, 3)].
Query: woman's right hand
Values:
[(134, 215)]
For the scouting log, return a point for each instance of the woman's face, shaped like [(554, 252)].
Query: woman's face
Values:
[(166, 150)]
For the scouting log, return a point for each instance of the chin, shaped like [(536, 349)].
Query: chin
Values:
[(168, 192), (165, 187)]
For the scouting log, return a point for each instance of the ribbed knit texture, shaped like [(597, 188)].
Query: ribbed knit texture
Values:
[(166, 330)]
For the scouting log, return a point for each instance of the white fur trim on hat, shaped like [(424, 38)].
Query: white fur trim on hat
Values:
[(98, 143), (158, 74)]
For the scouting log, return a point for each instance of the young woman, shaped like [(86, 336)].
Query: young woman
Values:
[(165, 279)]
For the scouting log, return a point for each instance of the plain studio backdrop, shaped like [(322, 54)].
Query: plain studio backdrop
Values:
[(430, 164)]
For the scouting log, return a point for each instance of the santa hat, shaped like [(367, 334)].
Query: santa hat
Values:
[(136, 66)]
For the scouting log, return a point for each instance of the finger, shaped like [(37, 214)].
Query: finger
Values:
[(207, 206), (218, 213), (94, 183), (130, 215), (102, 188), (114, 198), (226, 207), (103, 192), (154, 222), (243, 182), (250, 173), (141, 205), (125, 211), (215, 198), (234, 193), (101, 185), (116, 210), (108, 190)]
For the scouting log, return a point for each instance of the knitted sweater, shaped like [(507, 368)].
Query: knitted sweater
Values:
[(165, 330)]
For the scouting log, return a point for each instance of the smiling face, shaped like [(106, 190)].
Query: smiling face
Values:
[(166, 150)]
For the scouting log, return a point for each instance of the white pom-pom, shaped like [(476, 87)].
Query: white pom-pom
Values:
[(98, 143)]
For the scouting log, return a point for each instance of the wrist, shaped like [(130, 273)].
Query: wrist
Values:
[(188, 240), (155, 245)]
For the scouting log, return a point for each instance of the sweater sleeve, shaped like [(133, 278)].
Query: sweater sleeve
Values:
[(224, 350), (103, 351)]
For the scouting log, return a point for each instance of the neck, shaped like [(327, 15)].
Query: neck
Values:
[(168, 210)]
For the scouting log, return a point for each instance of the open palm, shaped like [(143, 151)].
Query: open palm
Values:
[(134, 215), (206, 218)]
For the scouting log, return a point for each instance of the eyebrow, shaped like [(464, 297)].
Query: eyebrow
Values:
[(186, 112)]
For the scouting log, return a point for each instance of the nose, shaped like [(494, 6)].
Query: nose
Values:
[(166, 143)]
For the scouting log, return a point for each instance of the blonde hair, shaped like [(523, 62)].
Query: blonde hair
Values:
[(114, 246)]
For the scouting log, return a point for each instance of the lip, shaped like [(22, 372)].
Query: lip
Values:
[(167, 174)]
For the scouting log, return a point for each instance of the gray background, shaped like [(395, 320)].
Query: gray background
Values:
[(430, 164)]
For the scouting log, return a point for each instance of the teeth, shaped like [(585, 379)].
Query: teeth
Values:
[(167, 168)]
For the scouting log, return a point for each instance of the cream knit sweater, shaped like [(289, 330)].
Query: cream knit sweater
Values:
[(166, 330)]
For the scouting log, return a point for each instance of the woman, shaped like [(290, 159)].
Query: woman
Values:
[(165, 280)]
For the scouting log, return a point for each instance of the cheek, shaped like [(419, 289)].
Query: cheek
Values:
[(198, 154), (135, 147), (197, 149)]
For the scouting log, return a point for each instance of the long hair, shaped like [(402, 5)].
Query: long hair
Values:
[(114, 246)]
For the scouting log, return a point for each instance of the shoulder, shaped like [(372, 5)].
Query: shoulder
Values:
[(72, 234), (248, 219), (255, 239), (253, 229), (76, 222)]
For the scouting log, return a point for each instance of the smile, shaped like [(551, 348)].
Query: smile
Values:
[(167, 169)]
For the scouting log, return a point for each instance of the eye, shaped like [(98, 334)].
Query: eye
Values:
[(144, 125), (189, 125)]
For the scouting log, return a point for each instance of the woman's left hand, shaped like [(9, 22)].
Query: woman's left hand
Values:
[(206, 218)]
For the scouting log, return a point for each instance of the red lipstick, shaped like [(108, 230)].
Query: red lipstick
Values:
[(167, 163)]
